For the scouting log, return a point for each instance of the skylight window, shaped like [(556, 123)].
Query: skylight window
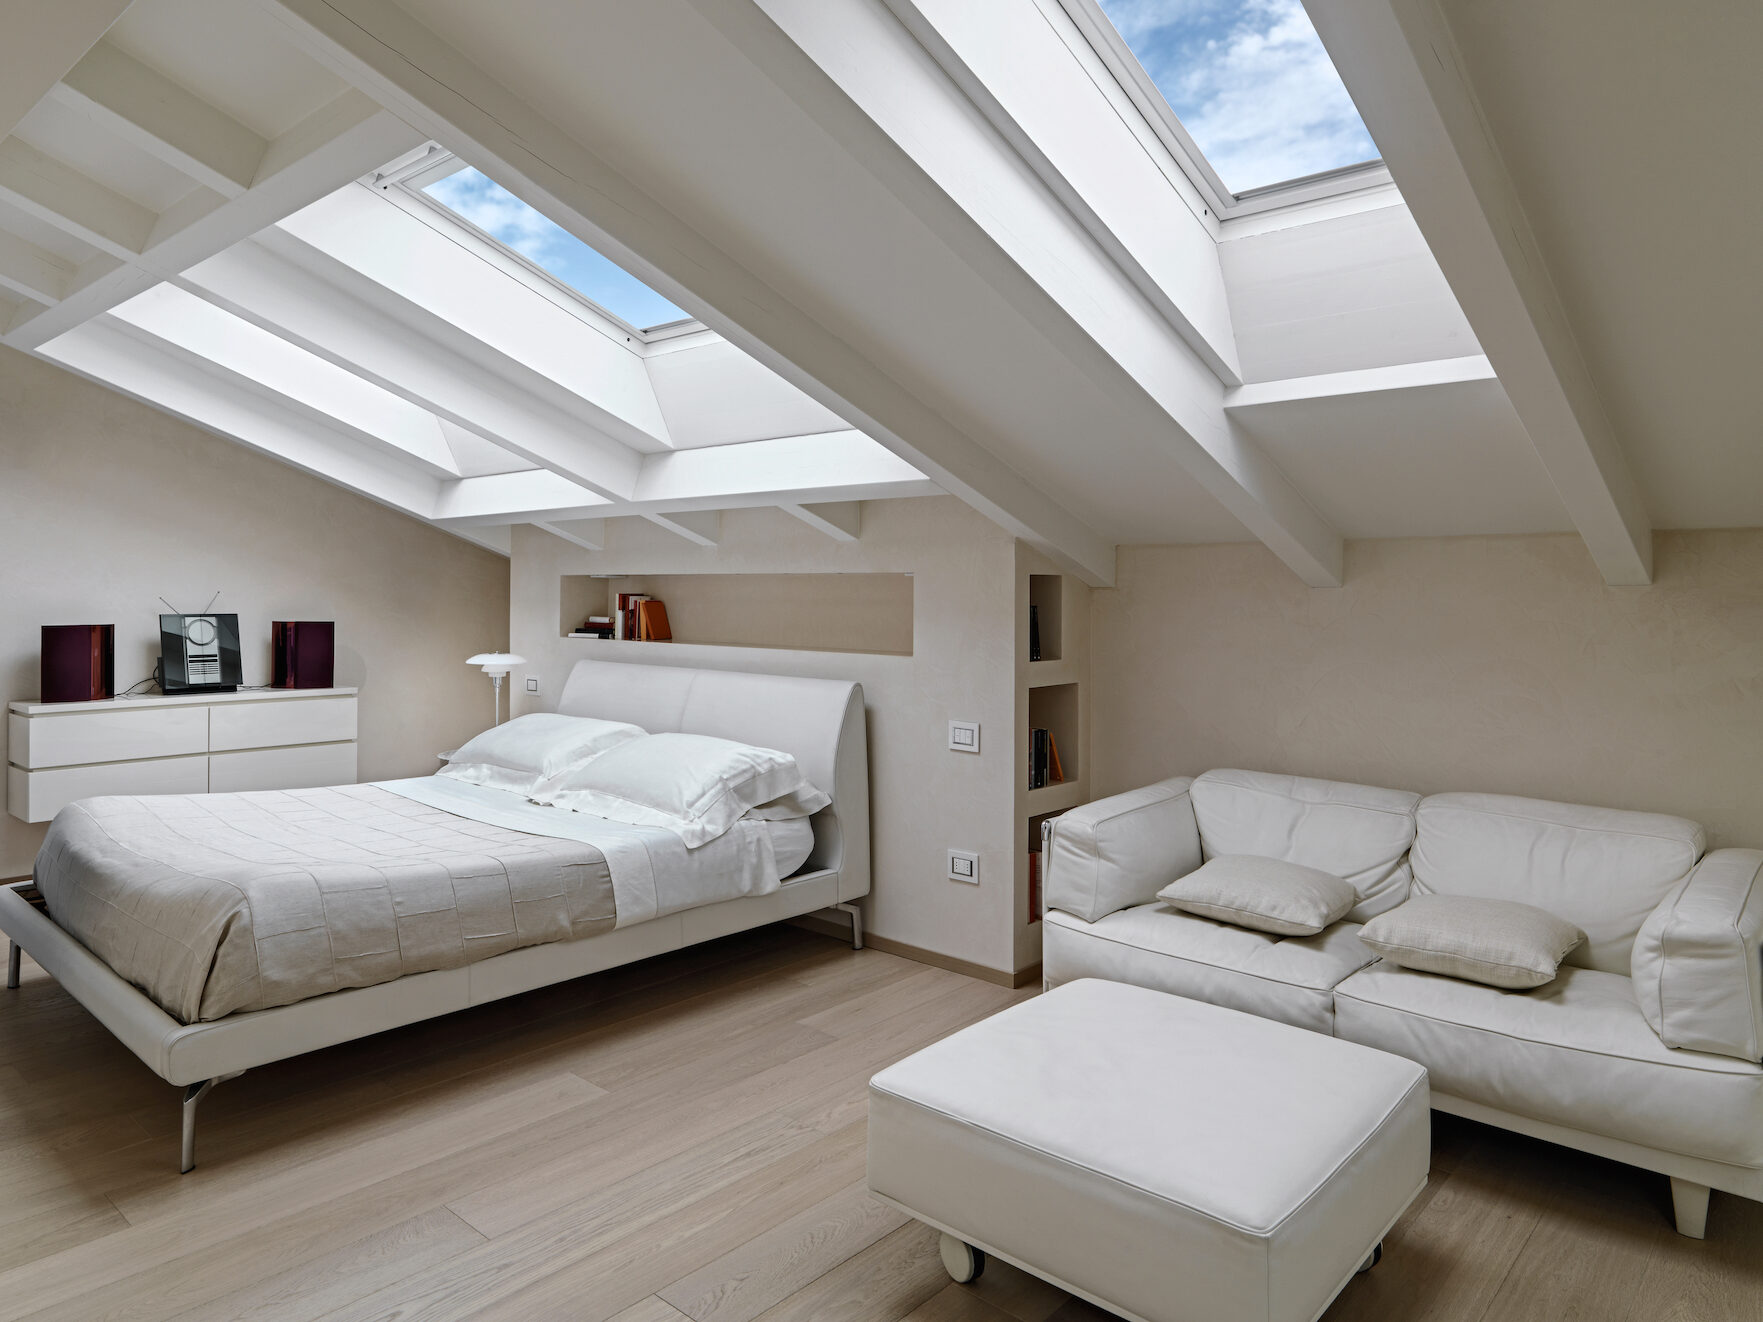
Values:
[(1251, 84), (476, 198)]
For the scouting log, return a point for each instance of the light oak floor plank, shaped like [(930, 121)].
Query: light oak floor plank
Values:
[(679, 1141)]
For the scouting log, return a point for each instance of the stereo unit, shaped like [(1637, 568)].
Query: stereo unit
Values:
[(304, 654), (79, 662), (200, 654)]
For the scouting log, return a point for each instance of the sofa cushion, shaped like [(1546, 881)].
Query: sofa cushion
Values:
[(1602, 870), (1575, 1053), (1262, 894), (1498, 942), (1356, 832), (1290, 979), (1118, 851)]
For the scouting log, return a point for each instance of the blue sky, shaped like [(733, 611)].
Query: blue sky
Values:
[(498, 212), (1250, 82)]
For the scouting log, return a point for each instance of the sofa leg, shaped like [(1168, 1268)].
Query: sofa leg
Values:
[(1690, 1202)]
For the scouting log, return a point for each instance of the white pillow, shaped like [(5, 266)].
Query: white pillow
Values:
[(521, 754), (1263, 894), (692, 784), (1499, 942)]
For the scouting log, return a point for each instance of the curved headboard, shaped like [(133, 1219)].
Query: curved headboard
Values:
[(819, 722)]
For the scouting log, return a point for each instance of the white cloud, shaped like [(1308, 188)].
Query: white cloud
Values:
[(495, 211), (1251, 82)]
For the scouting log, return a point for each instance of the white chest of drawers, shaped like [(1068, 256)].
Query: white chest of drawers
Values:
[(259, 739)]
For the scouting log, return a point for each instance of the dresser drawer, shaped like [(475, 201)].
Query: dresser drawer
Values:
[(301, 767), (121, 735), (280, 722), (36, 796)]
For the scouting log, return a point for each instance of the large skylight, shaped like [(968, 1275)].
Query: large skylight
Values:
[(1251, 84), (493, 209)]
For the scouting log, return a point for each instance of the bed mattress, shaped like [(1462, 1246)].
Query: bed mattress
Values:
[(218, 903)]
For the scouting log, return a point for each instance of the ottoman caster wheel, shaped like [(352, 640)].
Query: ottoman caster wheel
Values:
[(1372, 1259), (965, 1263)]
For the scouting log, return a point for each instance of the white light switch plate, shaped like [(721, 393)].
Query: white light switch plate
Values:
[(964, 866), (964, 736), (532, 685)]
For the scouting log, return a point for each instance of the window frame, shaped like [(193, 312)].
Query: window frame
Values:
[(1110, 47), (410, 174)]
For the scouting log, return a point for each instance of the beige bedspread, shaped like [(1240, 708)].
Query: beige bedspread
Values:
[(217, 903)]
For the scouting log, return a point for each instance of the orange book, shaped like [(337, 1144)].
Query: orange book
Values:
[(1055, 772), (652, 622)]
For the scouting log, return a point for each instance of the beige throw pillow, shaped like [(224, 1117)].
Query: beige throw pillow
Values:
[(1266, 894), (1498, 942)]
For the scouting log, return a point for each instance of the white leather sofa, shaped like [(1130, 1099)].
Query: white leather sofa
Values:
[(1645, 1048)]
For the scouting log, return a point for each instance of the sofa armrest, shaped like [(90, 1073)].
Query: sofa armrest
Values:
[(1696, 959), (1121, 850)]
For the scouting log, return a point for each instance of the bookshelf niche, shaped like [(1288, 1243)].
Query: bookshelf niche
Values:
[(1052, 695), (862, 613)]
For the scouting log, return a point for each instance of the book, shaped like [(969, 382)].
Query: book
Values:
[(652, 626), (1055, 772), (1038, 742), (1034, 633)]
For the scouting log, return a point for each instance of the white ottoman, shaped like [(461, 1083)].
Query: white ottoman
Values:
[(1169, 1160)]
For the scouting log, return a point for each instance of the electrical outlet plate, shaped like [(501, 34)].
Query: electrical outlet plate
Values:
[(964, 866), (964, 736), (532, 684)]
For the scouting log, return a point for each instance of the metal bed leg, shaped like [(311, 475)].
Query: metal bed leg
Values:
[(13, 952), (193, 1095), (856, 923)]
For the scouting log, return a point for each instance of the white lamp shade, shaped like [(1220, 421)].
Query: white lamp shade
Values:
[(496, 663)]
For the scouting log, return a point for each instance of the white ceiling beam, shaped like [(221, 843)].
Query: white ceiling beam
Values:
[(700, 527), (841, 520), (336, 143), (126, 360), (1400, 61), (44, 39), (379, 47), (32, 271), (263, 363), (589, 534), (61, 196), (330, 309), (1367, 381), (497, 537), (149, 111)]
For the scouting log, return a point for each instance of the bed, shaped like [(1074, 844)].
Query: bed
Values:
[(252, 987)]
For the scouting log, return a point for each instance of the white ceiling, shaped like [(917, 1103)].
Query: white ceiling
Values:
[(923, 259)]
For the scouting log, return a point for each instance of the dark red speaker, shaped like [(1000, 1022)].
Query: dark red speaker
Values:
[(79, 662), (305, 654)]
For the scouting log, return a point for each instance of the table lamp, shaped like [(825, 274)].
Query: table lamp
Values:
[(496, 665)]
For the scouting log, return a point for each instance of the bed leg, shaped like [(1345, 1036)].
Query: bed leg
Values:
[(856, 923), (13, 952), (193, 1095)]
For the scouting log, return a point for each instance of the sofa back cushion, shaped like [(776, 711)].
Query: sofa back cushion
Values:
[(1602, 870), (1357, 832)]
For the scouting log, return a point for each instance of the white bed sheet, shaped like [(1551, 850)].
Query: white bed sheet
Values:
[(653, 872)]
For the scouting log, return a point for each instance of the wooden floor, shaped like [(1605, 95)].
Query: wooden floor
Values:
[(682, 1139)]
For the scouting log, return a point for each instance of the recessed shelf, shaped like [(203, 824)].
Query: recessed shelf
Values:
[(869, 614), (1056, 708), (1046, 596), (1043, 673), (1055, 798)]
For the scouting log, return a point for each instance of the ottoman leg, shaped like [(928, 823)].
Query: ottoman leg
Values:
[(1372, 1258), (965, 1263)]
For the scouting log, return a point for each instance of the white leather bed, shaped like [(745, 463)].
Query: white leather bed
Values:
[(819, 722)]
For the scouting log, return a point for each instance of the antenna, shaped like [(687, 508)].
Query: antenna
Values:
[(211, 601), (173, 609)]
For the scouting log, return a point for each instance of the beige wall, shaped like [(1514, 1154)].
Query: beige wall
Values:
[(105, 504), (1501, 664), (924, 798)]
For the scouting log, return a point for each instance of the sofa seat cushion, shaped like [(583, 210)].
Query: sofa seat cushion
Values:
[(1602, 870), (1357, 832), (1290, 979), (1576, 1052)]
